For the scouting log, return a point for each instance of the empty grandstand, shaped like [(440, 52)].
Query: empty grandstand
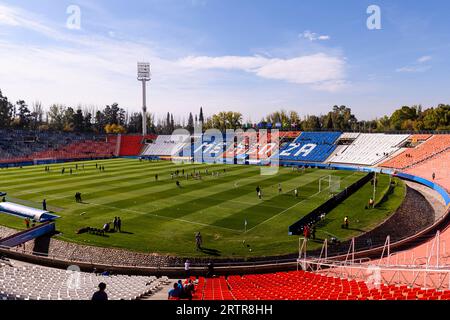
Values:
[(22, 281), (166, 145), (369, 149), (310, 147)]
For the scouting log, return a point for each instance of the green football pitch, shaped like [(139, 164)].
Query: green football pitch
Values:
[(159, 217)]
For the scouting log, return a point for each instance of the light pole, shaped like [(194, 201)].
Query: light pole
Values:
[(144, 76)]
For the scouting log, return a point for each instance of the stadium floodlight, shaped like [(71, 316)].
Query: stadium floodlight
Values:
[(144, 76)]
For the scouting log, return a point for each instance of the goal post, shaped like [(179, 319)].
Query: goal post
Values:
[(331, 183)]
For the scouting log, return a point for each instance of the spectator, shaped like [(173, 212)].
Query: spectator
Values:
[(187, 269), (100, 295), (188, 290), (210, 272), (175, 292)]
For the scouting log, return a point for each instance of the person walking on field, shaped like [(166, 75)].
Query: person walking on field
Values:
[(119, 224), (198, 241), (346, 223), (44, 205)]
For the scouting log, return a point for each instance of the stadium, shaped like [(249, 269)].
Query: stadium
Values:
[(247, 237), (97, 204)]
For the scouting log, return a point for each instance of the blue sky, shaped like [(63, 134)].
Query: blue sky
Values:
[(247, 55)]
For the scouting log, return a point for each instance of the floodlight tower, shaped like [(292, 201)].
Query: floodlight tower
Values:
[(144, 76)]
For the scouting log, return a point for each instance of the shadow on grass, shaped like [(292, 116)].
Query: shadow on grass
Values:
[(211, 252)]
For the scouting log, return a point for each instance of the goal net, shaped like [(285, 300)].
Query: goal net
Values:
[(44, 161), (330, 183)]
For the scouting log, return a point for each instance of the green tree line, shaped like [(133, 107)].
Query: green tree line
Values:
[(115, 119)]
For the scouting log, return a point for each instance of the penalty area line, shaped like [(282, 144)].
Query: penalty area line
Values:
[(295, 205)]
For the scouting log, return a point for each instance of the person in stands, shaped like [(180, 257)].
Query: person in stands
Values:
[(175, 292), (187, 269), (100, 295)]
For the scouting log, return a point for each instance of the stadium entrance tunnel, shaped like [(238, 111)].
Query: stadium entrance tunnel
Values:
[(24, 212)]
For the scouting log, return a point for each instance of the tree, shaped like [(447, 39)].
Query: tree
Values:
[(56, 117), (100, 122), (201, 118), (329, 122), (6, 111), (78, 121), (311, 123), (114, 129), (36, 115), (23, 119), (190, 124), (400, 116), (135, 123), (225, 120)]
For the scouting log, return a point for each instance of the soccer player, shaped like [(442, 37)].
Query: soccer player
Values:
[(296, 192), (279, 188), (44, 205), (178, 184)]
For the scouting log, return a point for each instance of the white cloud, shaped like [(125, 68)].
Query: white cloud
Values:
[(418, 67), (314, 69), (424, 59), (414, 69), (16, 17), (312, 36), (80, 68)]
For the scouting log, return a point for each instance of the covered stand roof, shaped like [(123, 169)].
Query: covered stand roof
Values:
[(26, 212)]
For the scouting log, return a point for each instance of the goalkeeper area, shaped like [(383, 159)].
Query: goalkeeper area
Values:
[(220, 201)]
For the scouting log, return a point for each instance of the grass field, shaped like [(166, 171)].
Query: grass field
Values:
[(162, 218)]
